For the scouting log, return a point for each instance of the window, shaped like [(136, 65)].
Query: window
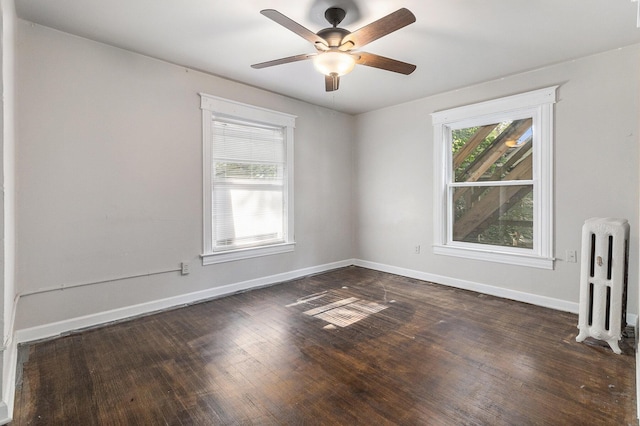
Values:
[(493, 175), (248, 180)]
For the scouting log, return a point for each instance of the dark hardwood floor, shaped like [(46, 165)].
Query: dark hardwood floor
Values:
[(351, 346)]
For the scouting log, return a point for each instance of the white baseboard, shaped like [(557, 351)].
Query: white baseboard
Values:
[(72, 324), (4, 414), (548, 302), (637, 325), (10, 359), (534, 299)]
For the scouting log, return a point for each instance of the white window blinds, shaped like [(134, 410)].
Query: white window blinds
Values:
[(248, 184)]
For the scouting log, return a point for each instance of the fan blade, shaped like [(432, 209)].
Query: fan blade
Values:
[(377, 61), (283, 60), (331, 82), (383, 26), (292, 25)]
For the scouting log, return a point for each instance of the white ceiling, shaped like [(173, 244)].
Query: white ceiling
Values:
[(454, 43)]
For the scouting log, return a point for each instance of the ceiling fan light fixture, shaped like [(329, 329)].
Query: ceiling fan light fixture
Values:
[(334, 63)]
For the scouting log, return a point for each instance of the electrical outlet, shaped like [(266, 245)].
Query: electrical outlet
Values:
[(571, 256), (185, 268), (417, 249)]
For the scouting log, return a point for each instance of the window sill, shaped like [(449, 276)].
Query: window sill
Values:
[(496, 256), (247, 253)]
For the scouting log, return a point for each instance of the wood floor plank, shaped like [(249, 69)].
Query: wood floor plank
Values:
[(425, 354)]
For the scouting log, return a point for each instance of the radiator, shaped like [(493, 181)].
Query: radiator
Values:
[(603, 280)]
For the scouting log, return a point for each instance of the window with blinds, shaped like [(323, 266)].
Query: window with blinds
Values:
[(248, 185), (248, 180)]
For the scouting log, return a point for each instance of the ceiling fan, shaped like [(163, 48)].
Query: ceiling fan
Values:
[(336, 47)]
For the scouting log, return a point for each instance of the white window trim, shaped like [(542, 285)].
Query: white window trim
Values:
[(537, 104), (215, 107)]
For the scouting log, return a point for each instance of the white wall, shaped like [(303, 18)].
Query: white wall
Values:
[(596, 173), (7, 212), (109, 177), (109, 180)]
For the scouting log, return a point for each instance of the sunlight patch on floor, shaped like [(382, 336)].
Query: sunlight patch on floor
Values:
[(344, 312)]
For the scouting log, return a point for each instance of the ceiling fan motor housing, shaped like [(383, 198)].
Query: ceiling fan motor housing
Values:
[(333, 36)]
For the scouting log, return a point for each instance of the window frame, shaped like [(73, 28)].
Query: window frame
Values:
[(538, 105), (215, 107)]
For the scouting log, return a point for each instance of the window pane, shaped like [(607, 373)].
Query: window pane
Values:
[(494, 152), (248, 216), (248, 185), (228, 172), (495, 215)]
